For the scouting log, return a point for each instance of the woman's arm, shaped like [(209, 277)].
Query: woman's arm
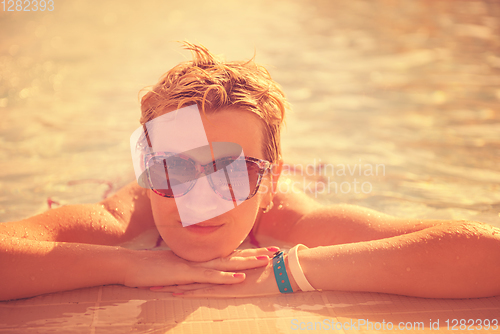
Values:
[(358, 249), (343, 223), (115, 220), (296, 218), (65, 248), (456, 260), (74, 247), (31, 267), (68, 247)]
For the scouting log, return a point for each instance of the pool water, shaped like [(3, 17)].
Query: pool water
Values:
[(409, 87)]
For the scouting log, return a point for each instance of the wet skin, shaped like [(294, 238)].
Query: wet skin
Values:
[(363, 250)]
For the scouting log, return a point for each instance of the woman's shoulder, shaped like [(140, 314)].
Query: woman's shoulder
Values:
[(131, 206), (288, 209)]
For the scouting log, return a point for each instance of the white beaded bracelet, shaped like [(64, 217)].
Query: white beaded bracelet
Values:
[(296, 269)]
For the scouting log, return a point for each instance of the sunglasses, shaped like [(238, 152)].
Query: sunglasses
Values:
[(233, 178)]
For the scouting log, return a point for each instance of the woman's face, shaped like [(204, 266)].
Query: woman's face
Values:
[(221, 235)]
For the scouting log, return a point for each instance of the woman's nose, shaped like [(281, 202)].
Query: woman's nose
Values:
[(201, 203)]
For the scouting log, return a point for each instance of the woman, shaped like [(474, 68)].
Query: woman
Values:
[(239, 109)]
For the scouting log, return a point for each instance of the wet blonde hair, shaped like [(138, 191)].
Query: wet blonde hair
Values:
[(214, 84)]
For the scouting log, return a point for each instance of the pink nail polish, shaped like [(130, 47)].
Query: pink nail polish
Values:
[(273, 249), (262, 257), (239, 275)]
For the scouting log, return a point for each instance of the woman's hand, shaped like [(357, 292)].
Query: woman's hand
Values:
[(163, 268), (258, 282)]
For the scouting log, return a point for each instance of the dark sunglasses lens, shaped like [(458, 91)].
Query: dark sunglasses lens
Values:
[(171, 176), (253, 175), (235, 177)]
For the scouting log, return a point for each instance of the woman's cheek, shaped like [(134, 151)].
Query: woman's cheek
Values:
[(164, 209)]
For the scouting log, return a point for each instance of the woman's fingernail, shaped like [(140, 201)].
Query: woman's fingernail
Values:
[(273, 249), (239, 275), (156, 288), (262, 257), (177, 293)]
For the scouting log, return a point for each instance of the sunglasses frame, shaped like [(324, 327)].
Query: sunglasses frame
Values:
[(263, 166)]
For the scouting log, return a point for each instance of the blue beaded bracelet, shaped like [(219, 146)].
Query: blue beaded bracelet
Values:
[(280, 273)]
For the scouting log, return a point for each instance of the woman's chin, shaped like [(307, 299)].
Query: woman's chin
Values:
[(198, 255)]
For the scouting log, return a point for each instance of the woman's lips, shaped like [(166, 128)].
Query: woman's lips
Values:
[(203, 229)]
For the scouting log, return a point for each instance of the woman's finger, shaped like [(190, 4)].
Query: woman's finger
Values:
[(181, 288), (235, 263), (205, 275), (241, 260), (194, 286), (255, 251)]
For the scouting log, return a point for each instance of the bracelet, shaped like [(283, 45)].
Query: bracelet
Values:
[(280, 273), (296, 269)]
